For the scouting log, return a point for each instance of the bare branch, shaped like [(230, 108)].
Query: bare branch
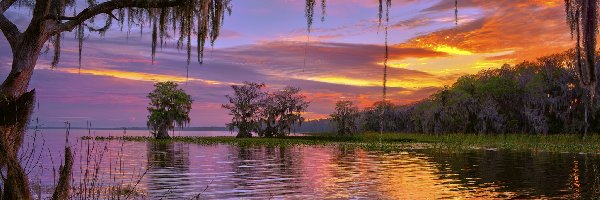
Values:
[(108, 7), (10, 30)]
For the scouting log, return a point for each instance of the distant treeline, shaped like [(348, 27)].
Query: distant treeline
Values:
[(543, 96), (537, 97)]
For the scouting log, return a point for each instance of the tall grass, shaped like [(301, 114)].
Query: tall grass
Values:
[(96, 183), (91, 179)]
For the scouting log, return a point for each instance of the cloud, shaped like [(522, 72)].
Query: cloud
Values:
[(324, 62), (529, 29), (266, 42)]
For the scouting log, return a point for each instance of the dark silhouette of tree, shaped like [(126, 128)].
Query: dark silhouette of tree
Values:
[(541, 97), (345, 117), (371, 117), (169, 106), (244, 108), (267, 114), (280, 111)]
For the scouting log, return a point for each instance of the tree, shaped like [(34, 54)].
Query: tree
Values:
[(345, 116), (371, 118), (49, 22), (169, 107), (582, 18), (244, 106), (281, 110)]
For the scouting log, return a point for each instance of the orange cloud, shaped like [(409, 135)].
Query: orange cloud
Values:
[(529, 29), (137, 76)]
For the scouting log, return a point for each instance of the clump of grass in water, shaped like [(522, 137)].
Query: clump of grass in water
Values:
[(399, 141)]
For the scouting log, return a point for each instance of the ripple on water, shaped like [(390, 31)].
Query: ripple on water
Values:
[(179, 170)]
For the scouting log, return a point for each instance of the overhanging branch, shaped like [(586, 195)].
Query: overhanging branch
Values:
[(9, 29), (108, 7), (60, 18)]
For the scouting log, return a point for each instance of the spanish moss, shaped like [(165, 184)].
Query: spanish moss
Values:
[(388, 5), (582, 19), (202, 18), (56, 45), (456, 12), (79, 36), (309, 12)]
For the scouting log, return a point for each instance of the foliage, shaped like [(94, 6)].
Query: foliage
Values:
[(169, 107), (280, 111), (267, 114), (345, 117), (531, 97), (371, 117), (244, 106), (201, 18)]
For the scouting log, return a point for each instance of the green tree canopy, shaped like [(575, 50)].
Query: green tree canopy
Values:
[(345, 117), (169, 107)]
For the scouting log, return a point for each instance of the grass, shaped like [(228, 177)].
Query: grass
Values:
[(394, 141)]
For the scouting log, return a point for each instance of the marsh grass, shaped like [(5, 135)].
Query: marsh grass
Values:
[(88, 180), (93, 183), (561, 143)]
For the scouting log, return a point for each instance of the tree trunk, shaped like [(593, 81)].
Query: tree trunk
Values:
[(163, 133), (16, 106), (243, 133), (14, 117)]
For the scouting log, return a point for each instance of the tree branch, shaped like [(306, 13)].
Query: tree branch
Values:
[(60, 18), (108, 7), (5, 4), (10, 30)]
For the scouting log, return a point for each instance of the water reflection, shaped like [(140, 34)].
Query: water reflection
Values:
[(168, 170), (178, 170), (524, 175), (265, 171), (337, 171)]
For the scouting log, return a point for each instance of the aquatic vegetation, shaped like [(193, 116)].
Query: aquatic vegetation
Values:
[(402, 141)]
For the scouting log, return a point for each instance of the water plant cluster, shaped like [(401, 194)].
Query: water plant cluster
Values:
[(558, 143)]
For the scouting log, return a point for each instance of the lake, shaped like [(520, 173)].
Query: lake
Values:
[(180, 170)]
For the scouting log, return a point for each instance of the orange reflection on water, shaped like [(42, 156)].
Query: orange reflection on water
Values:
[(347, 172)]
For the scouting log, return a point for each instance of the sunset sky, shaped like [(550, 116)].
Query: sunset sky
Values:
[(265, 41)]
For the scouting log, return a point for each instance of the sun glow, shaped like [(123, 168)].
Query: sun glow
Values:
[(413, 83), (136, 76), (452, 50)]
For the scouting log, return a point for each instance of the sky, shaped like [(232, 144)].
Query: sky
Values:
[(266, 41)]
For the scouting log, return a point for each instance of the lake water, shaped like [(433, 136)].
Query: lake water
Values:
[(179, 170)]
